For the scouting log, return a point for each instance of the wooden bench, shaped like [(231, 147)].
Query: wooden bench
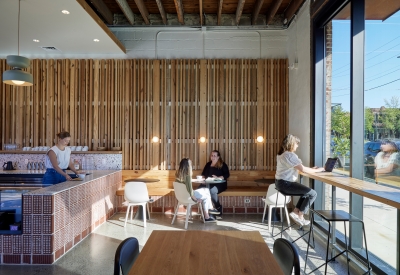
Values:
[(240, 183)]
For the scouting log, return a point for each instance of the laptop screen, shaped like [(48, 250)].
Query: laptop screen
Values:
[(330, 164)]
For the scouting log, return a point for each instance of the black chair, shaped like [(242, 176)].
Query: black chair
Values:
[(125, 256), (337, 216), (287, 256)]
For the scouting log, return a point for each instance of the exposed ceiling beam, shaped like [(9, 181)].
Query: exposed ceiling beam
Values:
[(256, 11), (293, 8), (239, 10), (103, 10), (143, 11), (100, 22), (219, 12), (162, 11), (272, 11), (179, 11), (201, 12), (124, 6)]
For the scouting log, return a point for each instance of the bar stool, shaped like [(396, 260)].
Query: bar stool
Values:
[(337, 216), (288, 194)]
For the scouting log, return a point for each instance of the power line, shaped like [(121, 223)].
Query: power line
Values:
[(387, 83)]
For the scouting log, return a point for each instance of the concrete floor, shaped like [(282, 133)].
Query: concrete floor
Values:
[(95, 254)]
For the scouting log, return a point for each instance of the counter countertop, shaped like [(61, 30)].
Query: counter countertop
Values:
[(57, 188)]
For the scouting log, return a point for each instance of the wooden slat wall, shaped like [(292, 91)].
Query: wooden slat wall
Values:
[(125, 103)]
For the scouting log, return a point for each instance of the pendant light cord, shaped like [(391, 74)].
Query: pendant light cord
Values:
[(19, 11)]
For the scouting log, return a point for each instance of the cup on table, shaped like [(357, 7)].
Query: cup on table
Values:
[(78, 148), (81, 176), (199, 177), (85, 148), (73, 148)]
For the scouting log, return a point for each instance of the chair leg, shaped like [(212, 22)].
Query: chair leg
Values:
[(200, 206), (287, 218), (176, 212), (148, 209), (188, 209), (265, 210), (127, 212), (144, 215), (270, 207)]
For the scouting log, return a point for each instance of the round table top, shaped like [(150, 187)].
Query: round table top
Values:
[(142, 180), (208, 181)]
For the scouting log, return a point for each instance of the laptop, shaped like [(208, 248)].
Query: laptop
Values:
[(329, 164)]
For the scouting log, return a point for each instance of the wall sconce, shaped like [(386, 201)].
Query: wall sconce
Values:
[(202, 139), (260, 139), (155, 139)]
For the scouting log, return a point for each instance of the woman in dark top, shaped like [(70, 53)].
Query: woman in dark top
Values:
[(216, 168)]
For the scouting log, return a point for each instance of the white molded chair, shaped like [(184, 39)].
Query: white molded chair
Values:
[(270, 200), (183, 197), (136, 194)]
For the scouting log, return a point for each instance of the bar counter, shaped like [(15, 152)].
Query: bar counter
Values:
[(58, 217)]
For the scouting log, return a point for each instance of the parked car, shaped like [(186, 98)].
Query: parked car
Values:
[(371, 149)]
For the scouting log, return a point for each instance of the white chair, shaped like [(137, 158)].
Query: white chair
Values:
[(184, 198), (136, 194), (270, 200)]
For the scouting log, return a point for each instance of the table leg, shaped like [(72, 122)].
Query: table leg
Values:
[(274, 217), (139, 214)]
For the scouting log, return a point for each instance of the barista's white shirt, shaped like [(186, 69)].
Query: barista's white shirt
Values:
[(63, 157), (285, 164)]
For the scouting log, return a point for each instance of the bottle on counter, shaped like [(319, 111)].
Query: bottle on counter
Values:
[(76, 165)]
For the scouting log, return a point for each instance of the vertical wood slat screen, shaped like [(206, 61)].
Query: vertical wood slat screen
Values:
[(124, 103)]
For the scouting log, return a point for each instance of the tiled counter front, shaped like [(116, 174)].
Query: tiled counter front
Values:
[(58, 217), (231, 204), (102, 160)]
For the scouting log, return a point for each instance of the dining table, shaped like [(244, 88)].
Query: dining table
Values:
[(209, 181), (205, 252)]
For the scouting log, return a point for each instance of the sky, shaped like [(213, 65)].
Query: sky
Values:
[(382, 61)]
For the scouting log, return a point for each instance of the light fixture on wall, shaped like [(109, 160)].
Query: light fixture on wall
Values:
[(260, 139), (155, 139), (202, 139), (16, 76)]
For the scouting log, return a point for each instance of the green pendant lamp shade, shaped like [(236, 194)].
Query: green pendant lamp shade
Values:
[(16, 76)]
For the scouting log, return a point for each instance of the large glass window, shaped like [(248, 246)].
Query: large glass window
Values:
[(337, 40), (382, 128)]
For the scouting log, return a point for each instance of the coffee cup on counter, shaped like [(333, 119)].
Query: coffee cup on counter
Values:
[(81, 176), (85, 148), (73, 148), (199, 177), (78, 148), (26, 149)]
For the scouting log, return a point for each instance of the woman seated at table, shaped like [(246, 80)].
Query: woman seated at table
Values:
[(287, 171), (386, 161), (216, 168), (184, 176)]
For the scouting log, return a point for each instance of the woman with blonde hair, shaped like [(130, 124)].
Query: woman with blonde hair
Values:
[(287, 171), (184, 176)]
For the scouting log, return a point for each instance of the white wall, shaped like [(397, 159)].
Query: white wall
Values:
[(195, 43), (299, 81)]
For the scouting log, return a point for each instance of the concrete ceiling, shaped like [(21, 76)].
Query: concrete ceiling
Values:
[(71, 34)]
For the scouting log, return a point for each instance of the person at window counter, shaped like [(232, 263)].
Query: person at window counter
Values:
[(57, 160), (216, 168)]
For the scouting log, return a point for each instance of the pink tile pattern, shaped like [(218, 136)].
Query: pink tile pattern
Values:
[(54, 223)]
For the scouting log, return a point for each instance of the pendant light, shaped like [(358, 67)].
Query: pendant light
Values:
[(16, 76)]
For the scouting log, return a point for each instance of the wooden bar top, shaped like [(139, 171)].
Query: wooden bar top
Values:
[(383, 194), (205, 252)]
